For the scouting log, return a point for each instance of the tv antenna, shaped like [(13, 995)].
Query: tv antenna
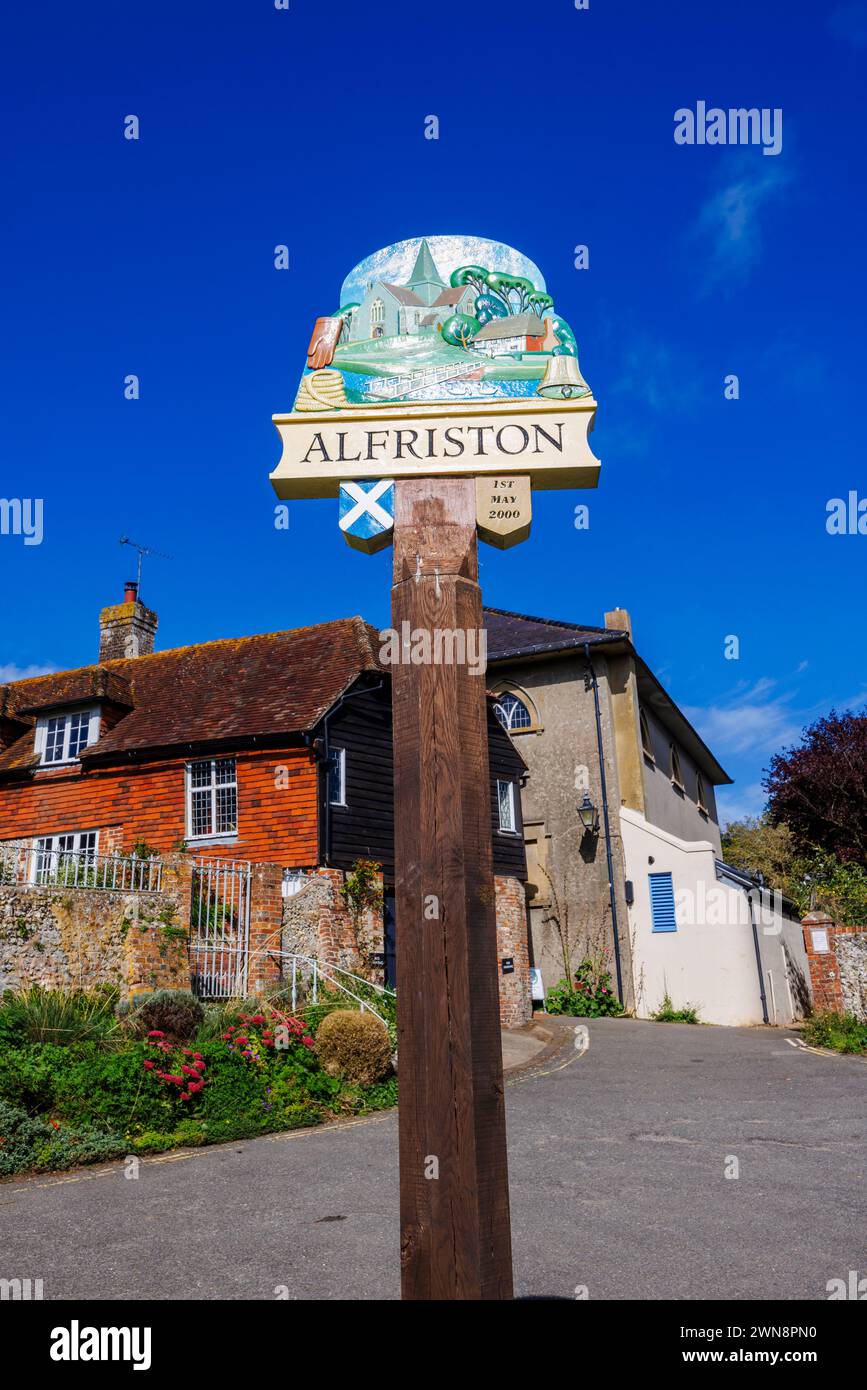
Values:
[(142, 551)]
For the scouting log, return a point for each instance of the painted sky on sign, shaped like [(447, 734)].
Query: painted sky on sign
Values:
[(306, 128), (394, 264)]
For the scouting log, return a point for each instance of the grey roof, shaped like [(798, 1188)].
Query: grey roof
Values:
[(403, 295), (513, 326)]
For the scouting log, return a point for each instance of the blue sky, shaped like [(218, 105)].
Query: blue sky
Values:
[(305, 127)]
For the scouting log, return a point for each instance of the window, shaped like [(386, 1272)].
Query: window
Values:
[(337, 777), (293, 882), (506, 806), (62, 857), (676, 774), (699, 794), (61, 737), (513, 713), (646, 745), (212, 798), (662, 902), (377, 313)]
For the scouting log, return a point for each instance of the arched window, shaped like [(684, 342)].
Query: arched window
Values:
[(377, 318), (700, 799), (513, 713), (646, 745), (676, 774)]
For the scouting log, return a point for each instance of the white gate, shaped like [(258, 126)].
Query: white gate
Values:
[(220, 928)]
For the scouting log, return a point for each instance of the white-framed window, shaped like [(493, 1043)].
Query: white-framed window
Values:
[(293, 881), (63, 857), (61, 737), (337, 777), (377, 313), (506, 806), (512, 713), (212, 798)]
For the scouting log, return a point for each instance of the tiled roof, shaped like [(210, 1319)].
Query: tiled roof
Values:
[(517, 634), (515, 326), (279, 683), (451, 295), (404, 295)]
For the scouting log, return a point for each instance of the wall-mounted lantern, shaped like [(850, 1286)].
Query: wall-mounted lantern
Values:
[(588, 816)]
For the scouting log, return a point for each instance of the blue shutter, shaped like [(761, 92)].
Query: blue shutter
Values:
[(662, 902)]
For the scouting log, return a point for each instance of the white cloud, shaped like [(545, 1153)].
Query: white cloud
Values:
[(11, 672), (745, 727), (728, 229), (736, 803)]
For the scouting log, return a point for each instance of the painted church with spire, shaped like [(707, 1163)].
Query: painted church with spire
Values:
[(419, 306)]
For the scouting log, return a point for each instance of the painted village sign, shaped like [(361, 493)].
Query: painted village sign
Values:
[(446, 358)]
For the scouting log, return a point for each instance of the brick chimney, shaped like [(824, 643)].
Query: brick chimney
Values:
[(620, 620), (126, 629)]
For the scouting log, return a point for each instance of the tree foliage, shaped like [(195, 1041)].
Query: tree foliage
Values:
[(460, 330), (818, 789), (811, 877), (499, 295)]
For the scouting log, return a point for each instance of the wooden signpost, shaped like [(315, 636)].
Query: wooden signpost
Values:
[(431, 413)]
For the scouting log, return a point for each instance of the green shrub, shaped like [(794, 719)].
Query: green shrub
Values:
[(330, 1001), (839, 1032), (113, 1091), (175, 1012), (28, 1075), (667, 1013), (355, 1046), (220, 1014), (27, 1143), (60, 1016), (588, 995), (189, 1134)]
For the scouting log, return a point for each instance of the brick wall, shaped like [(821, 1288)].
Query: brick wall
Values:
[(838, 976), (317, 922), (277, 806), (78, 938), (516, 1006)]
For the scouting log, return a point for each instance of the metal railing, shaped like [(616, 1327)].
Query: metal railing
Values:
[(29, 866), (308, 971)]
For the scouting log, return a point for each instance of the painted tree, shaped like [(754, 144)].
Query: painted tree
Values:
[(819, 788), (460, 330), (500, 295)]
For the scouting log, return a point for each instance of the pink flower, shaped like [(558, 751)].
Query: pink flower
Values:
[(155, 1033), (149, 1066)]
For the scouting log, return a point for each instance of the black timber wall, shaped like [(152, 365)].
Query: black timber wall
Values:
[(364, 827)]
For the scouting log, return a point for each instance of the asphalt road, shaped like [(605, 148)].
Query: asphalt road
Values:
[(617, 1165)]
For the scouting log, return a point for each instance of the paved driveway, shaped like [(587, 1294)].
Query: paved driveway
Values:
[(618, 1162)]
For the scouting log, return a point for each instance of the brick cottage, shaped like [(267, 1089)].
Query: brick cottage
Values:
[(273, 749)]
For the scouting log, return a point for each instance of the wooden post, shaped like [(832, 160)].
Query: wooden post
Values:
[(454, 1190)]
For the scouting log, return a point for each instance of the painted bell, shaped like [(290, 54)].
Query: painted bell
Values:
[(563, 379)]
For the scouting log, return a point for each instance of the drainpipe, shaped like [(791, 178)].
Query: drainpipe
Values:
[(590, 680), (758, 955), (348, 695)]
